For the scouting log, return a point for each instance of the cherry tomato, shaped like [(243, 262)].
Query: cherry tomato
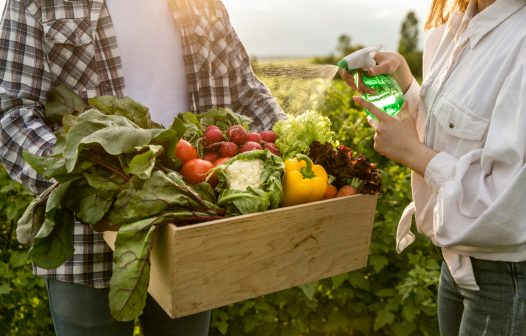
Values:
[(347, 190), (330, 192), (196, 170), (185, 151)]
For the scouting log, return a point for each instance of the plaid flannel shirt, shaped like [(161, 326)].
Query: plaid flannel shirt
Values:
[(44, 43)]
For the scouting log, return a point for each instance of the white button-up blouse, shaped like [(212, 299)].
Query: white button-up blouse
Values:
[(471, 108)]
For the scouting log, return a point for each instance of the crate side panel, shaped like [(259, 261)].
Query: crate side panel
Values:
[(248, 256)]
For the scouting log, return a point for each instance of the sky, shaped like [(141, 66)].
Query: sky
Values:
[(291, 28), (312, 27)]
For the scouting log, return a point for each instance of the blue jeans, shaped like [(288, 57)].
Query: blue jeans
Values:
[(81, 311), (497, 309)]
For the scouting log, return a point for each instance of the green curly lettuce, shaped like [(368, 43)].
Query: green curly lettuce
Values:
[(298, 132)]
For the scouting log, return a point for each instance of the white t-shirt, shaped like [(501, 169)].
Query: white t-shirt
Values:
[(150, 46)]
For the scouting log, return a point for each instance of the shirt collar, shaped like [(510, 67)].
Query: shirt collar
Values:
[(487, 20)]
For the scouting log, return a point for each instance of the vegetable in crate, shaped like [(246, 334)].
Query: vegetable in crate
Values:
[(111, 163), (296, 133), (250, 182), (226, 139), (304, 181), (347, 168)]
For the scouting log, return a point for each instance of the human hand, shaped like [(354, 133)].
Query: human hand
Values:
[(394, 64), (389, 63), (355, 85), (397, 138)]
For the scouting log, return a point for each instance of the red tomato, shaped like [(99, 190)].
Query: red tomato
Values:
[(196, 170), (185, 151)]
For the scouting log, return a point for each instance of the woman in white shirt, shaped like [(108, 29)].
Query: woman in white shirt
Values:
[(465, 142)]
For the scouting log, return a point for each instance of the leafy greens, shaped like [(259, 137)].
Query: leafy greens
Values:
[(111, 163)]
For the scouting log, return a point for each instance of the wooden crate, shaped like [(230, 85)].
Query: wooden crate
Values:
[(209, 265)]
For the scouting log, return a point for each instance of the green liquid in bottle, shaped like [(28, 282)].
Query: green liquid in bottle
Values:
[(388, 97)]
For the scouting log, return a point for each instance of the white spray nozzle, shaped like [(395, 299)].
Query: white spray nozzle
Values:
[(360, 59)]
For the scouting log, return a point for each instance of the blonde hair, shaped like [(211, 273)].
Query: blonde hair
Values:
[(442, 9)]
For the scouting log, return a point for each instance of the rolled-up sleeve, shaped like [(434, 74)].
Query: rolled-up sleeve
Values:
[(24, 82)]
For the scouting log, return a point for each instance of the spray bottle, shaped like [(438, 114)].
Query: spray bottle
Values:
[(388, 95)]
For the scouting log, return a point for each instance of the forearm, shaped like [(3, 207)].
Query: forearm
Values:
[(418, 157)]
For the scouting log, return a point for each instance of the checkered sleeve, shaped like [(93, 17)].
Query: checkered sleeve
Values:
[(24, 81), (249, 95)]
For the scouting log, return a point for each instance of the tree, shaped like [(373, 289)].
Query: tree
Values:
[(409, 34), (408, 44), (344, 45)]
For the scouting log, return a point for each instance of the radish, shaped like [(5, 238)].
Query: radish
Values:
[(228, 149), (211, 156), (237, 134), (254, 136), (212, 127), (212, 135), (249, 145), (268, 136), (271, 147)]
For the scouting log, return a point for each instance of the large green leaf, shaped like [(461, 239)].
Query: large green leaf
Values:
[(62, 101), (142, 164), (169, 139), (53, 250), (100, 180), (33, 217), (54, 206), (131, 270), (125, 107), (94, 204), (115, 134), (187, 125), (157, 194), (54, 166), (48, 166)]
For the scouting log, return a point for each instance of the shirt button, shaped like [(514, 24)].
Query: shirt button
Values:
[(451, 125)]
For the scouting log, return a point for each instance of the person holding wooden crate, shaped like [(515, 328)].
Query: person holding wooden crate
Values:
[(465, 142), (172, 56)]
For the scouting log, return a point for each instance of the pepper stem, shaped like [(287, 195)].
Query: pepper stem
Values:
[(307, 170)]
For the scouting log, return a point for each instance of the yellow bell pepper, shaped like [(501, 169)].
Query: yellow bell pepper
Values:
[(304, 181)]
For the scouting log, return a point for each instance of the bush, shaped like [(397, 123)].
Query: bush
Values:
[(23, 297)]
